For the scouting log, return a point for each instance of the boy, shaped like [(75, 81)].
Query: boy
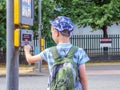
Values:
[(61, 29)]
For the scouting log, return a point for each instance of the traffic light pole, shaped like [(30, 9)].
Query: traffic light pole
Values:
[(39, 31), (12, 55)]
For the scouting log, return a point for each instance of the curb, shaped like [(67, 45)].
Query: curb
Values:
[(32, 73)]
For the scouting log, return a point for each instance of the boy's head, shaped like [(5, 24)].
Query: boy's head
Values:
[(63, 25)]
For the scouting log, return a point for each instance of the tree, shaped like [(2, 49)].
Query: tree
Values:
[(99, 14), (95, 13), (47, 15), (2, 23)]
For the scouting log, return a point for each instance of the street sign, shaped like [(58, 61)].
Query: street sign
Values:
[(105, 42), (23, 12)]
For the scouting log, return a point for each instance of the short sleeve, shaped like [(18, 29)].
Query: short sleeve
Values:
[(45, 54), (82, 56)]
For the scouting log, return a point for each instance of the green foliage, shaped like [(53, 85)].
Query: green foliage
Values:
[(95, 13), (47, 15), (2, 23)]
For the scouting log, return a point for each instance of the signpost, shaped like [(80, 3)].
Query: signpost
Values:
[(39, 32), (20, 13), (105, 42), (12, 54)]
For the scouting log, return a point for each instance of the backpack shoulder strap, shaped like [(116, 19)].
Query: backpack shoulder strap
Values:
[(54, 52), (70, 55), (72, 51)]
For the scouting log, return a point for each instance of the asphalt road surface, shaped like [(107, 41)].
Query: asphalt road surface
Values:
[(101, 77)]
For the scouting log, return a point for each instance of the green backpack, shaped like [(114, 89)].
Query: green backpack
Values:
[(64, 71)]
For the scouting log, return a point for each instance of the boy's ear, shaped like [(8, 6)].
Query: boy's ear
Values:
[(57, 33)]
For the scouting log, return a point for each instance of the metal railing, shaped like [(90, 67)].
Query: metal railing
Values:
[(90, 43)]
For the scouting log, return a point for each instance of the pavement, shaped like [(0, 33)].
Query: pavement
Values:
[(112, 69), (91, 69), (100, 77)]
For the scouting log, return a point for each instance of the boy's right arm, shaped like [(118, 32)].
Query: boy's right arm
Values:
[(29, 57), (83, 77)]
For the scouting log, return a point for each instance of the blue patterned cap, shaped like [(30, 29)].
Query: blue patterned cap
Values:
[(62, 23)]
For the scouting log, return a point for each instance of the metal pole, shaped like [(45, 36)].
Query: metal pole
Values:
[(12, 52), (39, 31)]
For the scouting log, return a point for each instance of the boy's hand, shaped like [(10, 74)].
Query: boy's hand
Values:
[(27, 48), (29, 57)]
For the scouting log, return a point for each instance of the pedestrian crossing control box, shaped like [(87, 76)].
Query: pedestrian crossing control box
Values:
[(23, 37)]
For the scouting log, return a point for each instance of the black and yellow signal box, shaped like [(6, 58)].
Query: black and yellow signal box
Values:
[(24, 12), (23, 37)]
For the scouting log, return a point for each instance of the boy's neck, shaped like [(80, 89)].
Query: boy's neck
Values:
[(64, 40)]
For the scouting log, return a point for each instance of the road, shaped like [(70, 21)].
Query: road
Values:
[(101, 77), (104, 77)]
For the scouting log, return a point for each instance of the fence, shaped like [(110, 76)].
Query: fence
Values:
[(90, 43), (2, 55)]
